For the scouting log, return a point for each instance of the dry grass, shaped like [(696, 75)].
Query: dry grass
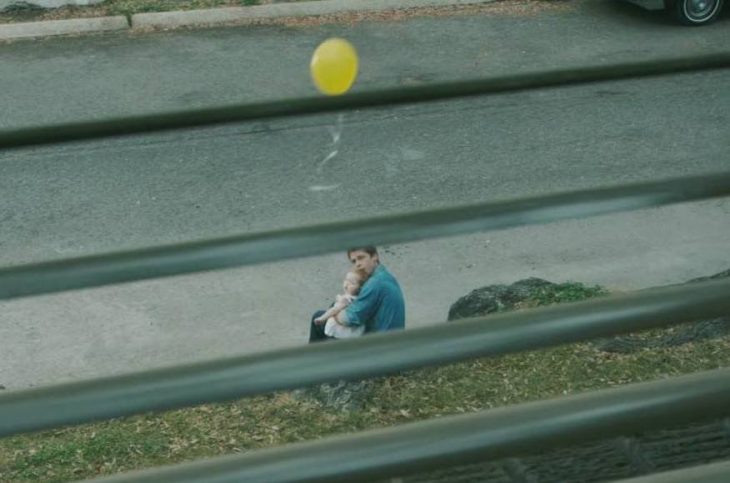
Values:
[(130, 7), (119, 7), (217, 429), (513, 8), (148, 440)]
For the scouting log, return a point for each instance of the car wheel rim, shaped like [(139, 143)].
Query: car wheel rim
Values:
[(700, 9)]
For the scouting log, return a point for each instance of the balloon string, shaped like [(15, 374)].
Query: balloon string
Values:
[(336, 133)]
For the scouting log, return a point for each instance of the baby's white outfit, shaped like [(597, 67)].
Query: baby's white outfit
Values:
[(334, 329)]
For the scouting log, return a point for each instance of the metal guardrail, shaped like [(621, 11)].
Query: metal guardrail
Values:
[(377, 354), (244, 250), (420, 445), (464, 439), (376, 98)]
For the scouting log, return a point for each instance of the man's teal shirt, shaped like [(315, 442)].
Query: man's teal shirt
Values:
[(379, 305)]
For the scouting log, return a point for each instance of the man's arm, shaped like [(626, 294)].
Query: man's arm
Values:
[(363, 308), (341, 317)]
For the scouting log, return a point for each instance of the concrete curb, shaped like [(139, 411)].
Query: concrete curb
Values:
[(12, 31), (216, 16), (165, 20)]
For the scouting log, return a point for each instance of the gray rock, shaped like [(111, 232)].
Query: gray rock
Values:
[(689, 332), (683, 334), (495, 298), (339, 396), (717, 276)]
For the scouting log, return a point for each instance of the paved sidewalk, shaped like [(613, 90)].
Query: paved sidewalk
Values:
[(214, 16)]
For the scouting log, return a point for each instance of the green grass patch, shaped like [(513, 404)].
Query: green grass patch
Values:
[(148, 440), (563, 293)]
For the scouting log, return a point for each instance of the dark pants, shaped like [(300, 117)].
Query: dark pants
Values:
[(316, 331)]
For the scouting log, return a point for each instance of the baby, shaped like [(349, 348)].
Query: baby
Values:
[(332, 328)]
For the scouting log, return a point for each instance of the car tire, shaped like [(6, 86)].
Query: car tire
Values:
[(696, 12)]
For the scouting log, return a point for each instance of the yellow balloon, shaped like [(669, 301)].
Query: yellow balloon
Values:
[(334, 66)]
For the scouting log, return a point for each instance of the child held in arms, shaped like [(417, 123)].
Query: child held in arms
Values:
[(351, 286)]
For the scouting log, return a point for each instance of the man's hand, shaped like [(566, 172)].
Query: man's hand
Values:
[(320, 320)]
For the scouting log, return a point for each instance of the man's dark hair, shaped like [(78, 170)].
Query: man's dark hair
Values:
[(370, 250)]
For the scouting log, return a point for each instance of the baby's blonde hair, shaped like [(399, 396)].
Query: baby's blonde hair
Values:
[(360, 279)]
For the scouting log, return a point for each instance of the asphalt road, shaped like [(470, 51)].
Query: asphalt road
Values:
[(84, 198)]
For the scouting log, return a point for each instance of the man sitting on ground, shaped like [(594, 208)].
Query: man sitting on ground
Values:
[(379, 306)]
